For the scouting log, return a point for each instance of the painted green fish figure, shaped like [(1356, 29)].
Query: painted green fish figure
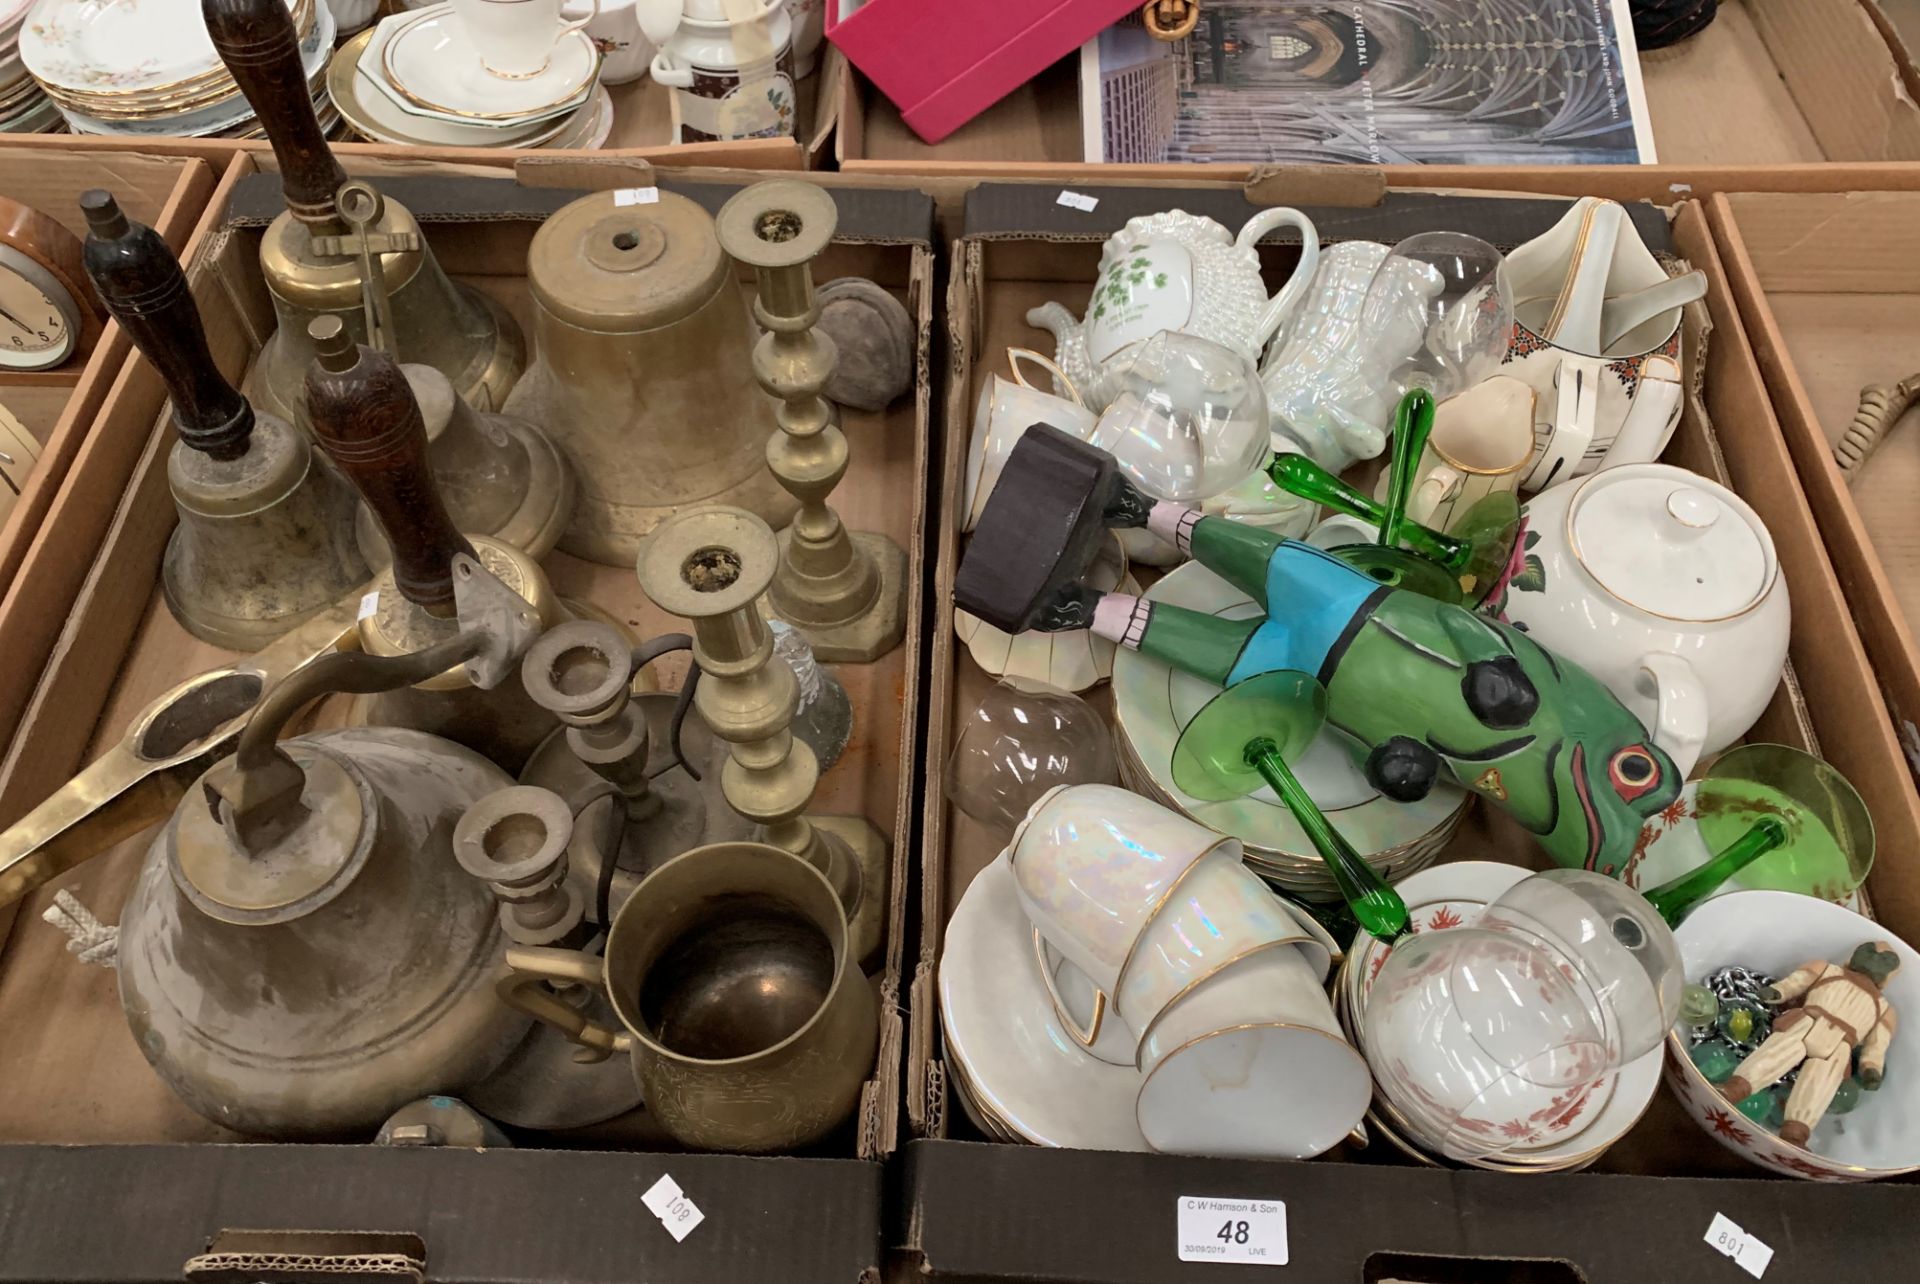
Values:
[(1422, 687)]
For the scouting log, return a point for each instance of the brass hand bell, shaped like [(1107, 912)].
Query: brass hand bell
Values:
[(500, 475), (266, 529), (364, 416), (313, 260)]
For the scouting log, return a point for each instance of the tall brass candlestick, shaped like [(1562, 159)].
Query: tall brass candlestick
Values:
[(711, 566), (845, 591)]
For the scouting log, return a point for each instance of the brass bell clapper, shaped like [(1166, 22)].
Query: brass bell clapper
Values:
[(712, 566), (314, 261), (640, 771), (846, 592), (264, 539), (300, 954), (364, 415)]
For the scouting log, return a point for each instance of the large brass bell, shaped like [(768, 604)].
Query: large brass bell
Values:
[(300, 954), (364, 416), (500, 476), (318, 258), (265, 537), (643, 371)]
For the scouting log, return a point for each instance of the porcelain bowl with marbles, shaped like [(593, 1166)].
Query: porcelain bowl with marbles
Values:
[(1774, 933)]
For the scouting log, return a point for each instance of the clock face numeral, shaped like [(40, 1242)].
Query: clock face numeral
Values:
[(33, 332)]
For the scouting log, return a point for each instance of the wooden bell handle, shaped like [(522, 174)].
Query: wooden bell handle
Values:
[(257, 41), (365, 418), (142, 285)]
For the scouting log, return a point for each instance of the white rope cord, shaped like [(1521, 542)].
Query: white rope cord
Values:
[(88, 939)]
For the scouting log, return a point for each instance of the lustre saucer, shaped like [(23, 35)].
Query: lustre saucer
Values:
[(428, 59)]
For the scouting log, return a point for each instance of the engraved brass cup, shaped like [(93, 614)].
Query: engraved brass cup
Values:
[(749, 1023)]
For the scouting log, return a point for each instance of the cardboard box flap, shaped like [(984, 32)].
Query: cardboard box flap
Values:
[(547, 1215), (867, 215), (977, 1212), (1021, 211), (1817, 44)]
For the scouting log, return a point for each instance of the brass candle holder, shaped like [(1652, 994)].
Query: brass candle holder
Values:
[(712, 566), (845, 591)]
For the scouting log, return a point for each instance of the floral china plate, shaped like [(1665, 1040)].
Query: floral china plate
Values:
[(118, 46)]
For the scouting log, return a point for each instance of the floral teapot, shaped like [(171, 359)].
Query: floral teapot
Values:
[(1183, 272)]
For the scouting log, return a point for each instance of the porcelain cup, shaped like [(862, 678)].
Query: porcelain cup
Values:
[(1006, 409), (1218, 915), (1252, 1063), (1094, 864), (1340, 530), (515, 38), (1475, 451)]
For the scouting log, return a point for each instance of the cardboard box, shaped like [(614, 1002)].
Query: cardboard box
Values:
[(1768, 83), (58, 406), (84, 1111), (1828, 289), (1370, 1217)]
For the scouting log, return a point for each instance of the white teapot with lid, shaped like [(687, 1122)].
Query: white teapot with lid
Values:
[(1182, 272), (1666, 587)]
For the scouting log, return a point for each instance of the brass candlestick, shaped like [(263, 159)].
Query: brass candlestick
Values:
[(711, 566), (846, 592)]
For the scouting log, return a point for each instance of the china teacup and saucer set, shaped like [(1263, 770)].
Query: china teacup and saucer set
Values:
[(481, 73)]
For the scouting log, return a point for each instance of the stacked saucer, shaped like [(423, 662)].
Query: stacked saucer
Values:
[(415, 79), (24, 106), (1450, 896), (139, 70), (1152, 704)]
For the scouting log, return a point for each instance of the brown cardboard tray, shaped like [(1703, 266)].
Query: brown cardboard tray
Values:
[(58, 406), (1828, 287), (1768, 83), (1022, 250), (82, 1101), (642, 130)]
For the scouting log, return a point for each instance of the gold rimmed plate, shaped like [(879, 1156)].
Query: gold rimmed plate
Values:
[(424, 58)]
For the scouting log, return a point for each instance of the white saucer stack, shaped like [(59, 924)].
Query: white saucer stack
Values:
[(415, 79), (24, 106)]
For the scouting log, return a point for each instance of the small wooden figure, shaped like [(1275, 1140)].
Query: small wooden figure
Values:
[(1840, 1009)]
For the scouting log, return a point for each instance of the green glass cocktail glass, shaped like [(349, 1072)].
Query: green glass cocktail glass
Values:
[(1780, 818), (1241, 739)]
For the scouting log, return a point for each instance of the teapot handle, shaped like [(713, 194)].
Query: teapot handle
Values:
[(1680, 708), (524, 989), (1283, 303)]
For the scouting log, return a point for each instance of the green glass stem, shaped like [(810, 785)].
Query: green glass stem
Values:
[(1298, 475), (1377, 906), (1412, 425), (1673, 900)]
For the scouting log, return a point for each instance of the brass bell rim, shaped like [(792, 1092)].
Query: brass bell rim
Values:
[(233, 632), (805, 213), (348, 803), (669, 552), (835, 928), (547, 506)]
